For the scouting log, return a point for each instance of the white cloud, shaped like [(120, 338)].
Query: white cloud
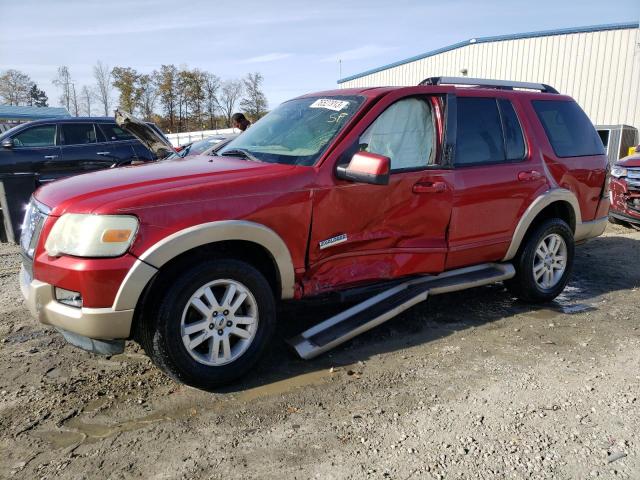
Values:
[(269, 57), (366, 51)]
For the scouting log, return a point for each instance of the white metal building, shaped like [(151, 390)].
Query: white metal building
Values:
[(599, 66)]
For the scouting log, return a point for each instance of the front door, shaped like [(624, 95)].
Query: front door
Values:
[(368, 233), (30, 149)]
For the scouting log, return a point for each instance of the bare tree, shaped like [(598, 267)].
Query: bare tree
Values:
[(64, 82), (230, 93), (86, 95), (254, 102), (74, 100), (15, 87), (211, 87), (104, 88)]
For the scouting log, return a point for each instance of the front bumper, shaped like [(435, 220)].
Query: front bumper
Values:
[(93, 323)]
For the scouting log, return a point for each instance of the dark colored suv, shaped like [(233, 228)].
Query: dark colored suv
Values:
[(38, 152)]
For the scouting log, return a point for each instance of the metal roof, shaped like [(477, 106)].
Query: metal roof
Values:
[(497, 38), (13, 112)]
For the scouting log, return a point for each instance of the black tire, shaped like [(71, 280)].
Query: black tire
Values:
[(160, 329), (524, 285)]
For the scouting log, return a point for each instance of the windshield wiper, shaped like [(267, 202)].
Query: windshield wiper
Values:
[(242, 152)]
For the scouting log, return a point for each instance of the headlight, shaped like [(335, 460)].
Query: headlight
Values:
[(85, 235), (618, 171)]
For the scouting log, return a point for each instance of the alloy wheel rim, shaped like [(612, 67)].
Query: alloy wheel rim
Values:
[(219, 322), (550, 261)]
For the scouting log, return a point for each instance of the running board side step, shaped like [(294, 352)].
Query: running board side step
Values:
[(389, 303)]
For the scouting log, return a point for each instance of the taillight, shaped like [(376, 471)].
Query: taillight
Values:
[(606, 188)]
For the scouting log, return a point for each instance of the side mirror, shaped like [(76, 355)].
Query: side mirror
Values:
[(8, 143), (366, 167)]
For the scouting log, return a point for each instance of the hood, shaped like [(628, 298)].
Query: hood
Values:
[(158, 144), (108, 191), (630, 161)]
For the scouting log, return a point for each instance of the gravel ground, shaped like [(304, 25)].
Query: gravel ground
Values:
[(466, 385)]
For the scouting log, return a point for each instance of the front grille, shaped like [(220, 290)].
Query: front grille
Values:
[(34, 219)]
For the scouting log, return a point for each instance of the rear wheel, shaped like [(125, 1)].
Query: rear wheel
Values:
[(212, 324), (544, 263)]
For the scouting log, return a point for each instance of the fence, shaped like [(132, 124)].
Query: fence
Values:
[(183, 138)]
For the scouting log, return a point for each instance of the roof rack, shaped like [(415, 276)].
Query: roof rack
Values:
[(485, 82)]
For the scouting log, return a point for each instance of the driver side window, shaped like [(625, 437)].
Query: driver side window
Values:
[(404, 132), (41, 136)]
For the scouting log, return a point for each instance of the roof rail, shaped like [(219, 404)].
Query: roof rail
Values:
[(485, 82)]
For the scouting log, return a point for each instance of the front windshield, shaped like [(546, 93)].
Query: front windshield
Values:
[(298, 131)]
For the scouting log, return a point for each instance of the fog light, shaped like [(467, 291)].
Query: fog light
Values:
[(69, 297)]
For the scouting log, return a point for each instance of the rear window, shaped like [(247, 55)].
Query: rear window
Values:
[(114, 133), (570, 131)]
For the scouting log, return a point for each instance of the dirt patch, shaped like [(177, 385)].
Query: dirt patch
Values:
[(466, 385)]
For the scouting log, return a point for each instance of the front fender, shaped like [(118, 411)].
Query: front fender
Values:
[(189, 238)]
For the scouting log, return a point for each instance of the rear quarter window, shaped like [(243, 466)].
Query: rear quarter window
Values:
[(114, 133), (568, 128)]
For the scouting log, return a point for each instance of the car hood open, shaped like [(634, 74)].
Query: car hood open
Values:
[(159, 145)]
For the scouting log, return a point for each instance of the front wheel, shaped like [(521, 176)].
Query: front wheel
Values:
[(544, 262), (212, 325)]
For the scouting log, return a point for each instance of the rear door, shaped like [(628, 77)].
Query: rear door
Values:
[(115, 144), (497, 174), (80, 152), (364, 233)]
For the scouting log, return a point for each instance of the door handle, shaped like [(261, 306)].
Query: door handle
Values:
[(50, 157), (429, 187), (103, 153), (529, 176)]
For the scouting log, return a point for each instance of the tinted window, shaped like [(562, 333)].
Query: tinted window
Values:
[(78, 133), (404, 132), (113, 132), (513, 139), (479, 136), (570, 131), (43, 136)]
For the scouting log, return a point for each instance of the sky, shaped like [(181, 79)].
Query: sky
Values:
[(294, 44)]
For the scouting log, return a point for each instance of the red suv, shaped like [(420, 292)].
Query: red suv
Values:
[(404, 192)]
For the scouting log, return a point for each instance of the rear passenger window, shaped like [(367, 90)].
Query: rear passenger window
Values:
[(513, 139), (570, 131), (114, 133), (78, 133), (479, 138)]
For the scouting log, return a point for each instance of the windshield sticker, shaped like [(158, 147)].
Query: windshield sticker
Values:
[(330, 104)]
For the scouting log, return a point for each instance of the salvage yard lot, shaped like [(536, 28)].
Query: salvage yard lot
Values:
[(466, 385)]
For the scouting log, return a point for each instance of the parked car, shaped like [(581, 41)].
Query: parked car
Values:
[(402, 192), (206, 145), (625, 191), (38, 152)]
